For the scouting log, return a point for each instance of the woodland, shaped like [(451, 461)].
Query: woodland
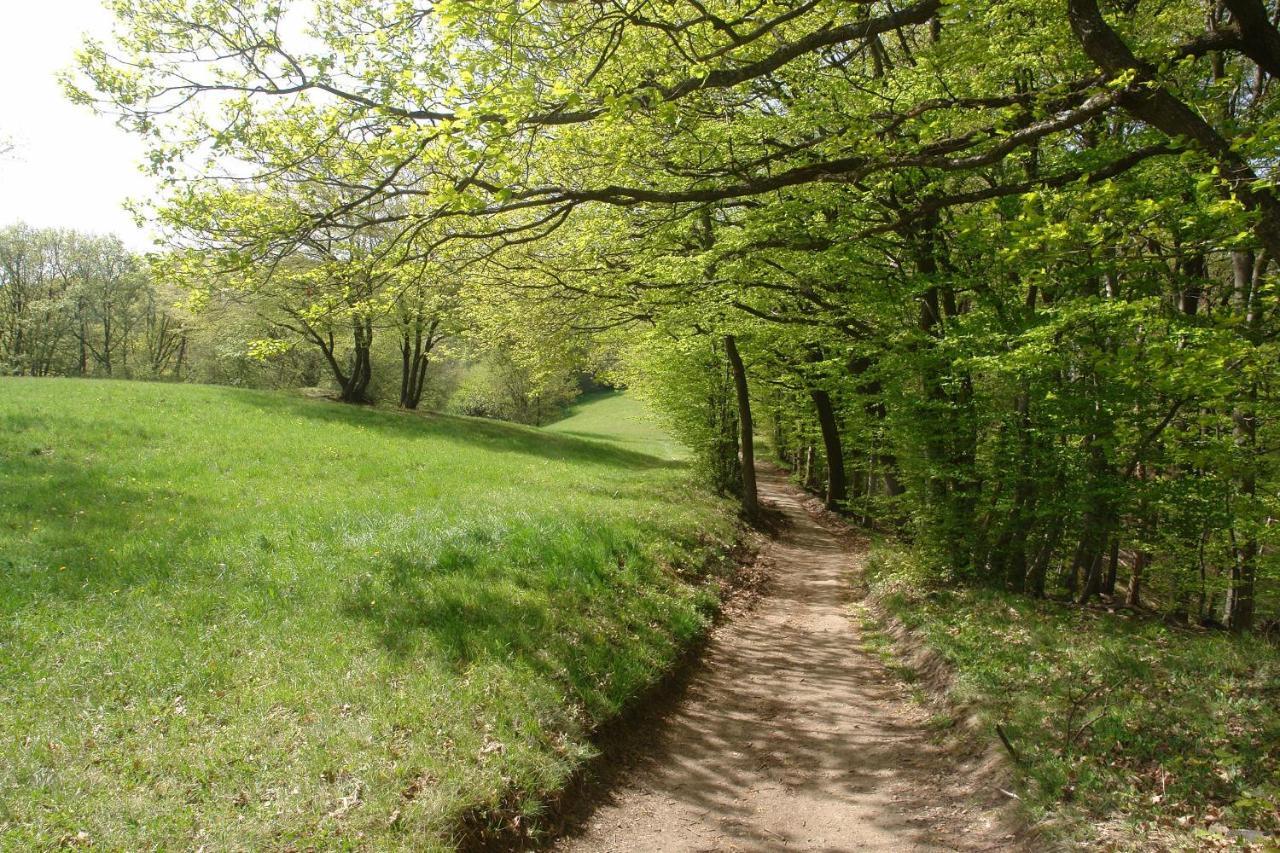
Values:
[(996, 281)]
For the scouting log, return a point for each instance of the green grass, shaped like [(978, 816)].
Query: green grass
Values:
[(1119, 721), (618, 420), (248, 620)]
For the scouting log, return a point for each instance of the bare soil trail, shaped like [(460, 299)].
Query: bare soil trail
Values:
[(789, 735)]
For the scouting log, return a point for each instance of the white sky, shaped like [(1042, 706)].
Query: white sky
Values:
[(71, 168)]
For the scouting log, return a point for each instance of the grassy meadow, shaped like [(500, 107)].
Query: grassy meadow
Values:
[(246, 620)]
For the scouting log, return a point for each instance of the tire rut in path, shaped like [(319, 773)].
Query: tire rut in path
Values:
[(790, 736)]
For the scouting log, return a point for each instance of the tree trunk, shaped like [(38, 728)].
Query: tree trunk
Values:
[(949, 440), (329, 349), (1035, 583), (1093, 576), (409, 348), (84, 338), (1239, 612), (1133, 597), (1098, 524), (106, 339), (416, 344), (750, 501), (836, 485), (1113, 566), (355, 388)]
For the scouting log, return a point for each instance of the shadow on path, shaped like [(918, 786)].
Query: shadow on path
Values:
[(786, 735)]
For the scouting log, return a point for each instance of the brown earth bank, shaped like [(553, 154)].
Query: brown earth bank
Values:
[(788, 734)]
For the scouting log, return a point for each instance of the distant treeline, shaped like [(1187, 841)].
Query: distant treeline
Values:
[(75, 304), (81, 305)]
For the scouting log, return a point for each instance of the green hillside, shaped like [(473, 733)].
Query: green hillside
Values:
[(619, 420), (233, 618)]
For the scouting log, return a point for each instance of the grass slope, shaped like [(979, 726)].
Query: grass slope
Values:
[(618, 420), (1128, 731), (247, 620)]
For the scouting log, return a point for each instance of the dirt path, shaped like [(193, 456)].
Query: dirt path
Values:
[(789, 736)]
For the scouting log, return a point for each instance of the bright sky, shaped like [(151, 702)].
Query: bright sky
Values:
[(71, 168)]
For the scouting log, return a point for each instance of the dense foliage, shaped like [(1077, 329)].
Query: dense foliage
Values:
[(72, 304)]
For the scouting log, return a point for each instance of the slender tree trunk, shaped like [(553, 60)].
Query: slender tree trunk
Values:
[(1142, 557), (836, 485), (1239, 612), (1133, 597), (407, 355), (329, 349), (84, 337), (726, 474), (106, 339), (1039, 571), (948, 442), (883, 465), (416, 344), (888, 464), (420, 380), (1099, 522), (1240, 593), (355, 388), (1093, 576), (1113, 566), (857, 489), (413, 368), (750, 500)]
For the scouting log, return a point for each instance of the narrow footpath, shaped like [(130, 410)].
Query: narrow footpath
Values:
[(791, 736)]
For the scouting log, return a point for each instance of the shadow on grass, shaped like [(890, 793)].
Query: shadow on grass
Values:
[(65, 509), (567, 611), (76, 529), (491, 436), (598, 436)]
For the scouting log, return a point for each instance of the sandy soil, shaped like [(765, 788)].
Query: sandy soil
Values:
[(788, 735)]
